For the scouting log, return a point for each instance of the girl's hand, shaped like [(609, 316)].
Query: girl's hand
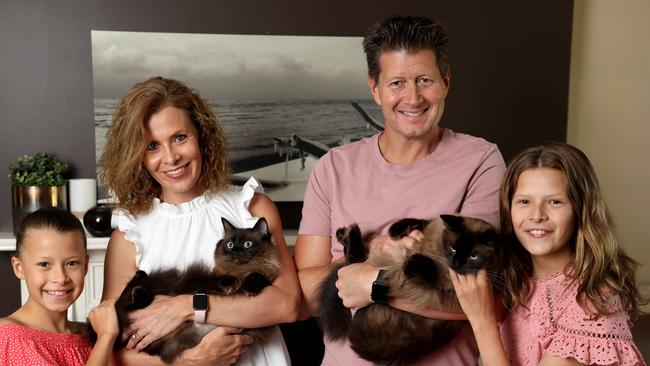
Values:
[(103, 319), (162, 316), (475, 296), (222, 346)]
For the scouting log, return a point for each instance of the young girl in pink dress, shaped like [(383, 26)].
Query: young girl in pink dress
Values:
[(570, 287), (51, 257)]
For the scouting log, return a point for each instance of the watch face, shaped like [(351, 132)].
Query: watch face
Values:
[(200, 301)]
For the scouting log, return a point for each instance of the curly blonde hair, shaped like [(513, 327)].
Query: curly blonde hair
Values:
[(122, 162), (599, 262)]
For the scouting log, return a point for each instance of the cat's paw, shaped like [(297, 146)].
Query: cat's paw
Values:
[(254, 283), (227, 284), (421, 267), (403, 227)]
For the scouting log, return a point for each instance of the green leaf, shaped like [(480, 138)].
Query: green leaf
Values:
[(40, 169)]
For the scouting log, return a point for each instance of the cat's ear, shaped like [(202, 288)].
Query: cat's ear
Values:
[(453, 222), (227, 226), (262, 226)]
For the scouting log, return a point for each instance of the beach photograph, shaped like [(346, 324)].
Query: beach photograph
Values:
[(283, 101)]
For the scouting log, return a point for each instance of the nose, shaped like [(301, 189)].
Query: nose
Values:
[(169, 155), (414, 97), (538, 214), (59, 275)]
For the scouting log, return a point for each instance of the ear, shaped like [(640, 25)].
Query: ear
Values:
[(262, 226), (374, 89), (227, 226), (447, 80), (452, 222), (18, 267)]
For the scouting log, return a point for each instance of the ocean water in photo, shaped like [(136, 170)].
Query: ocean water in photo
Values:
[(252, 124)]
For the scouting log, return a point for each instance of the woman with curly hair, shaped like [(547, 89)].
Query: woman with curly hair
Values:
[(165, 160)]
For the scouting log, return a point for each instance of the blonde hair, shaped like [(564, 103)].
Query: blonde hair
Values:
[(122, 166), (599, 262)]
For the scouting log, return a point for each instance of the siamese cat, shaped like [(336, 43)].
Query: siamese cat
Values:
[(245, 261), (387, 336)]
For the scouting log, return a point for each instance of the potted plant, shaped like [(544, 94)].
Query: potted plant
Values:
[(37, 181)]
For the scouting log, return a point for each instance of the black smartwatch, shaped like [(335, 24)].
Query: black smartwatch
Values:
[(200, 305), (380, 289)]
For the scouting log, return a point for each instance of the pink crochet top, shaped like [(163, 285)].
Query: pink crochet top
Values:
[(555, 324), (20, 345)]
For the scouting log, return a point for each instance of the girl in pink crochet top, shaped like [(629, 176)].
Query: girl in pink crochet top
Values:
[(51, 257), (570, 287)]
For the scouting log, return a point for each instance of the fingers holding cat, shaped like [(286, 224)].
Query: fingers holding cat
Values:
[(162, 316), (475, 295), (103, 319), (355, 282), (383, 248), (221, 346)]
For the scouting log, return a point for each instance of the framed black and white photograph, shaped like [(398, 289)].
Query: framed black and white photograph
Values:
[(283, 101)]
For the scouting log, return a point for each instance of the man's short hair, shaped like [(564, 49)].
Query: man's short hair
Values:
[(407, 33)]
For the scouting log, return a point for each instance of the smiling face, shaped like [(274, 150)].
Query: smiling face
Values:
[(543, 218), (53, 265), (173, 157), (411, 93)]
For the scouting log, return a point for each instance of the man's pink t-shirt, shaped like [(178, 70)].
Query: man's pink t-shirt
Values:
[(354, 183)]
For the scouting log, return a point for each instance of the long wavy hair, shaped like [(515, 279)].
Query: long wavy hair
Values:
[(122, 162), (599, 262)]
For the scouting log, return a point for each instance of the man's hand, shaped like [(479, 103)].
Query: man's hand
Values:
[(355, 283)]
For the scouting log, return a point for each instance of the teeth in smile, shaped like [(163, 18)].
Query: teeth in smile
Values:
[(56, 293), (412, 114), (538, 232), (176, 172)]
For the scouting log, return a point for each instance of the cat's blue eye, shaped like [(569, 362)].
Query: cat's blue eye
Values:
[(230, 245), (473, 257), (248, 244), (452, 250)]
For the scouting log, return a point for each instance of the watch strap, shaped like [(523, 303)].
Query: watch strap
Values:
[(200, 305)]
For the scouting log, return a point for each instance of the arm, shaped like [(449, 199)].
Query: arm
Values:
[(475, 296), (277, 303), (314, 261), (355, 280), (104, 321), (216, 347)]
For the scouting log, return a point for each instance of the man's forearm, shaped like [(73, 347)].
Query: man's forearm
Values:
[(310, 281)]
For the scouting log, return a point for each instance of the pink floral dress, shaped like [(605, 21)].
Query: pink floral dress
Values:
[(23, 346), (555, 324)]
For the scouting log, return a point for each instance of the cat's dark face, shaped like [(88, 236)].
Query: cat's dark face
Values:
[(469, 244), (242, 245)]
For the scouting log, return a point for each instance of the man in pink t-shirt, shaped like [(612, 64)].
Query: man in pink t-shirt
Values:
[(413, 168)]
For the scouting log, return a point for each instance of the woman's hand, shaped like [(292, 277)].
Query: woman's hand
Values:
[(222, 346), (476, 298), (162, 316), (103, 319)]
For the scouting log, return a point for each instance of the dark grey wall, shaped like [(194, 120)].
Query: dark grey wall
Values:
[(510, 67)]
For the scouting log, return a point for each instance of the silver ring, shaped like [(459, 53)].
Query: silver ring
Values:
[(134, 336)]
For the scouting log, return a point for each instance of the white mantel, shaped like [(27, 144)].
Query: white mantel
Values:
[(94, 281)]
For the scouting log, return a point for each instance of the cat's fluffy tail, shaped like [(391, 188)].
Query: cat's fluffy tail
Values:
[(334, 317)]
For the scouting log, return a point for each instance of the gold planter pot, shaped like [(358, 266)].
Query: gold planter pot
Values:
[(27, 199)]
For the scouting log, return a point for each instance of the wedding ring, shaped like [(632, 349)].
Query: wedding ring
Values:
[(134, 336)]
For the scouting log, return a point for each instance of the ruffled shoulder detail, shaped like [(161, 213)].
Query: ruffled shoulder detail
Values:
[(594, 349), (126, 223)]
